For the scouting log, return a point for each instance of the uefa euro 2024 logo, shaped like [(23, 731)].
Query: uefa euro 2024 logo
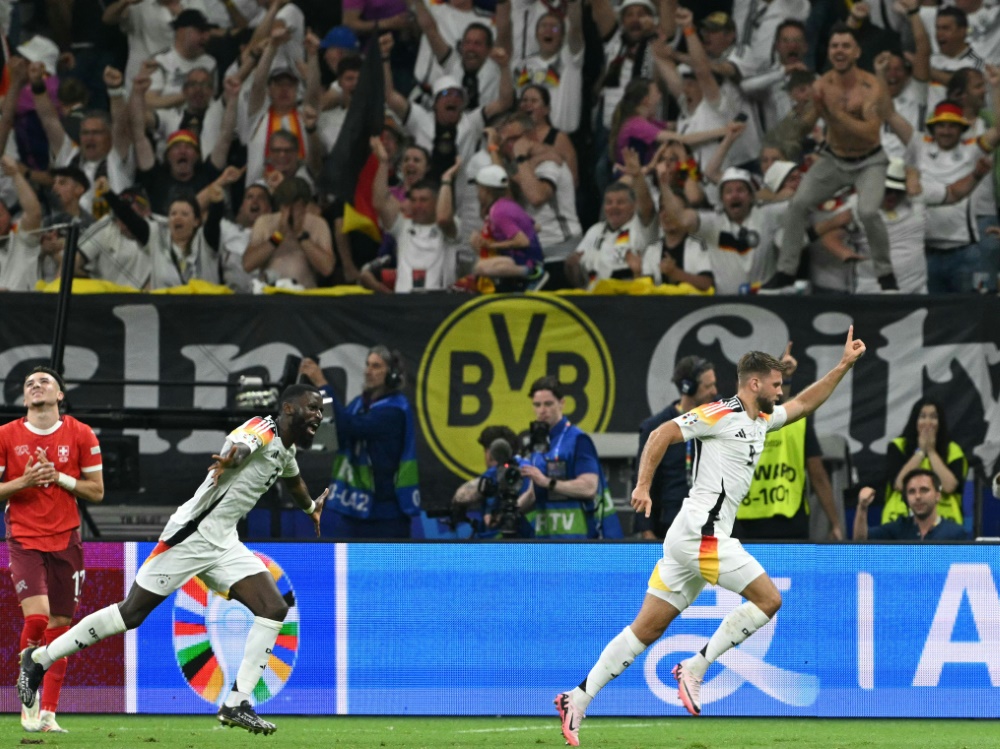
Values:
[(744, 664), (210, 632)]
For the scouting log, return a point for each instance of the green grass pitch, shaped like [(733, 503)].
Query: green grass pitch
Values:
[(202, 732)]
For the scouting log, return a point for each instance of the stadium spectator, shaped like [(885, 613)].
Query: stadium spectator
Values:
[(187, 53), (110, 252), (374, 491), (922, 489), (291, 246), (951, 27), (22, 265), (740, 238), (544, 183), (852, 103), (452, 18), (765, 87), (556, 68), (250, 460), (616, 246), (925, 443), (510, 255), (570, 492), (424, 257), (952, 233), (338, 43), (536, 102), (236, 235), (48, 460), (694, 379), (184, 248)]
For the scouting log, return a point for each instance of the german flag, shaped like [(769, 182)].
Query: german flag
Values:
[(351, 166)]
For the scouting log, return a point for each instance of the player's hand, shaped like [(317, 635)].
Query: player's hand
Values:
[(221, 464), (641, 502), (854, 349), (318, 512), (790, 362), (865, 497), (996, 486)]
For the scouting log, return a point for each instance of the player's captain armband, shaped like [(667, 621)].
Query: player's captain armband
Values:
[(95, 450), (256, 433)]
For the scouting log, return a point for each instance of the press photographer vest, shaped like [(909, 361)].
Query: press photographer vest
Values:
[(779, 480), (569, 517)]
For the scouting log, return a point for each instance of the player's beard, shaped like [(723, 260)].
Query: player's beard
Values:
[(764, 405), (303, 437)]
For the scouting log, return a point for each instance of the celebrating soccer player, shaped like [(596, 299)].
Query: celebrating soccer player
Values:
[(729, 436), (200, 539)]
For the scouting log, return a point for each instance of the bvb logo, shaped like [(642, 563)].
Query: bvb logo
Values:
[(480, 364)]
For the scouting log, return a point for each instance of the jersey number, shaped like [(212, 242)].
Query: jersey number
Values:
[(78, 579), (752, 453)]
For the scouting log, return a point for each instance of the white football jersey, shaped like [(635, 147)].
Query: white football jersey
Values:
[(727, 448), (214, 510)]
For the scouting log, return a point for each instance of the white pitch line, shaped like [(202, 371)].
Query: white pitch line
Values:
[(511, 729)]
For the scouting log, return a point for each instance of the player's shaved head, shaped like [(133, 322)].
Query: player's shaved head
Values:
[(757, 364), (293, 392)]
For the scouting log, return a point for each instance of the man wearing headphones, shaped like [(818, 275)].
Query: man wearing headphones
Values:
[(922, 489), (374, 489), (694, 377)]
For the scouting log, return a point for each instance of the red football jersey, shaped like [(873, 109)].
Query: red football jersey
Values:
[(44, 517)]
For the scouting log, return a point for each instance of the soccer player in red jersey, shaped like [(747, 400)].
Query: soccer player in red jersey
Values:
[(47, 460)]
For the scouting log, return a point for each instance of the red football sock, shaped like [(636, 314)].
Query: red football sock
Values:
[(33, 631), (53, 681)]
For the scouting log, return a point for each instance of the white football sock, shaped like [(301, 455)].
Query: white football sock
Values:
[(88, 631), (616, 657), (738, 625), (256, 654)]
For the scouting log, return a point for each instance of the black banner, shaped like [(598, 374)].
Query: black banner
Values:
[(470, 362)]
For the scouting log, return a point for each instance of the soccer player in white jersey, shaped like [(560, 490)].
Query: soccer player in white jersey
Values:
[(729, 436), (200, 539)]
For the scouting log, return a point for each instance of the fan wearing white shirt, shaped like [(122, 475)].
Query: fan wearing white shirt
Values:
[(191, 34), (425, 253)]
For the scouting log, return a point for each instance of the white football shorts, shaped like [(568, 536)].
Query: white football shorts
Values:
[(167, 568)]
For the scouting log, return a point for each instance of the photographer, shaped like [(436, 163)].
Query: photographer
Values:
[(571, 496), (501, 490)]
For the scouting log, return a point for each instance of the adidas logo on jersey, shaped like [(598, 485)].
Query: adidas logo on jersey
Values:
[(741, 434)]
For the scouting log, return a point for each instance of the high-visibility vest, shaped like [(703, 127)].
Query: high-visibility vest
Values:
[(779, 480), (950, 505)]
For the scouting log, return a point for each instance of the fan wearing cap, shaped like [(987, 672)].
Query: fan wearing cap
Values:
[(853, 103), (338, 43), (21, 264), (469, 63), (740, 239), (191, 35), (628, 46), (510, 256), (544, 183), (952, 232), (181, 172), (273, 105), (425, 254), (557, 66)]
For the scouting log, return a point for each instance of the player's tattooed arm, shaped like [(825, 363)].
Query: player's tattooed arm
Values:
[(232, 459)]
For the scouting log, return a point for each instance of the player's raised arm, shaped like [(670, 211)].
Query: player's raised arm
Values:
[(659, 440), (816, 394)]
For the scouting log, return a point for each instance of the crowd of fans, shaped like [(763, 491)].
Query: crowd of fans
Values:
[(526, 144)]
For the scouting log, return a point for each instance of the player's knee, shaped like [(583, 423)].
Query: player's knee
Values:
[(868, 212), (275, 611), (770, 604), (132, 615)]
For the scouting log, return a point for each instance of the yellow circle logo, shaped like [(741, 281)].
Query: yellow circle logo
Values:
[(480, 364)]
